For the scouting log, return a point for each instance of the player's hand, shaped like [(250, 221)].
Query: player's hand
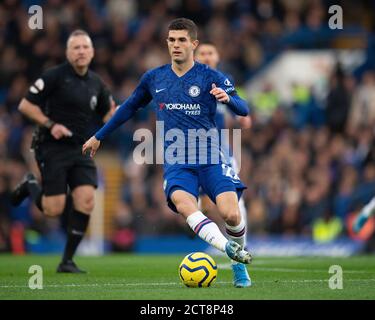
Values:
[(220, 94), (91, 145), (59, 131), (245, 122)]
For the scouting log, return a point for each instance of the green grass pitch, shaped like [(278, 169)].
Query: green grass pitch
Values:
[(149, 277)]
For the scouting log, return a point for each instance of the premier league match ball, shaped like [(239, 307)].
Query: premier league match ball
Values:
[(198, 269)]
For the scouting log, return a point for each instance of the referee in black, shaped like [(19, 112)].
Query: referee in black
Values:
[(63, 103)]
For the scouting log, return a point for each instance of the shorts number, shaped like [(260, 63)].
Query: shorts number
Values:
[(229, 172)]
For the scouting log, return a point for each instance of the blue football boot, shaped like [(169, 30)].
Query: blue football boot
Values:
[(241, 277), (235, 252)]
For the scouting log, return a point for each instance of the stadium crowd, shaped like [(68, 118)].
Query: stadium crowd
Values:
[(310, 163)]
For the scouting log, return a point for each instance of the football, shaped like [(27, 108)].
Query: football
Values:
[(198, 269)]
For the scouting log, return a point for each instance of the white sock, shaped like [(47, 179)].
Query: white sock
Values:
[(243, 211), (207, 230), (237, 233), (369, 209)]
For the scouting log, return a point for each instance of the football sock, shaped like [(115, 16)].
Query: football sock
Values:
[(68, 204), (77, 225), (36, 193), (237, 233), (243, 211), (207, 230)]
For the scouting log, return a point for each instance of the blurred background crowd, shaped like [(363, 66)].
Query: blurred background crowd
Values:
[(308, 166)]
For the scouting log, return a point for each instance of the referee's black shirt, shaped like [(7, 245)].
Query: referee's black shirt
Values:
[(69, 99)]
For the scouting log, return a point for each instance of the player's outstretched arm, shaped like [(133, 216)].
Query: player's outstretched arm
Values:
[(139, 99), (238, 105), (122, 114)]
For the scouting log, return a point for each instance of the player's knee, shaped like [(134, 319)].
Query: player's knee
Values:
[(185, 207), (85, 204), (89, 205), (53, 209), (232, 217)]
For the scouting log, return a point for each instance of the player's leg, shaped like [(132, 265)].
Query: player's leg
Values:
[(181, 189), (186, 204), (243, 213), (50, 197), (82, 180), (53, 206), (227, 203), (78, 220), (367, 211), (225, 188), (208, 208), (241, 202)]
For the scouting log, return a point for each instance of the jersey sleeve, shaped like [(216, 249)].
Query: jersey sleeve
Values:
[(140, 98), (104, 101), (224, 83), (235, 103), (41, 89)]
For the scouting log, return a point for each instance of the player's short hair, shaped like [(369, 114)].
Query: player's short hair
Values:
[(207, 43), (76, 33), (185, 24)]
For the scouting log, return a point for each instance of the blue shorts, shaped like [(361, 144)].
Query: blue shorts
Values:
[(213, 179), (233, 163)]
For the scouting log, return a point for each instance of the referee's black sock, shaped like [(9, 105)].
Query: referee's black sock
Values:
[(77, 226), (36, 193), (68, 205)]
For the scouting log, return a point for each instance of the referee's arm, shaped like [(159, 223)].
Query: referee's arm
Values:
[(111, 111), (34, 113)]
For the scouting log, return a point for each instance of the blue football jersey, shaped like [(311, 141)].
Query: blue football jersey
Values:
[(185, 103), (185, 110)]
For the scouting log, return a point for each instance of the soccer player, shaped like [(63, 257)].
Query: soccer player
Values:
[(208, 54), (367, 211), (186, 93), (63, 102)]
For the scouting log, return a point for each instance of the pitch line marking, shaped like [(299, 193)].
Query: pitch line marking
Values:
[(227, 266), (172, 283)]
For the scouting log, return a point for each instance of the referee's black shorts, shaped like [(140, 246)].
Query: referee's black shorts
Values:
[(63, 165)]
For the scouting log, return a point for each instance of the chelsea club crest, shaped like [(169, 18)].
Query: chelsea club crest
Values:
[(194, 91)]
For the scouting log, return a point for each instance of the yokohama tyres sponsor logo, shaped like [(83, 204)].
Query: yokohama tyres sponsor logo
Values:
[(180, 106), (191, 109)]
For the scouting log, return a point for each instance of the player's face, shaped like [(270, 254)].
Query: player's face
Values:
[(79, 51), (180, 46), (207, 54)]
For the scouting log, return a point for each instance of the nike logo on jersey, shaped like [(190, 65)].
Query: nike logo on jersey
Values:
[(159, 90)]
